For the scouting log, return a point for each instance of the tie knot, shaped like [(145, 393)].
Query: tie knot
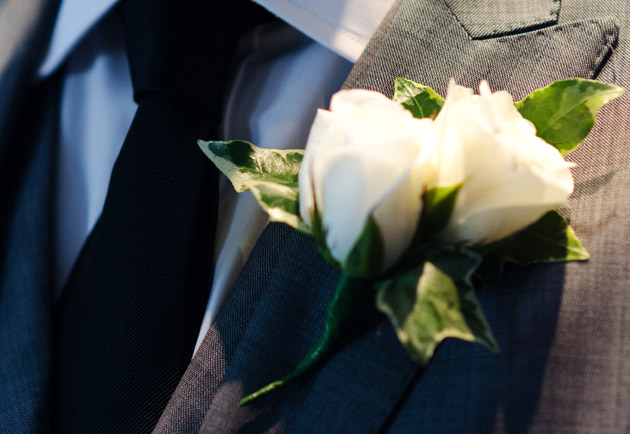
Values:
[(184, 48)]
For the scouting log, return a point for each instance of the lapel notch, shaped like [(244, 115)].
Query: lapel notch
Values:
[(488, 19)]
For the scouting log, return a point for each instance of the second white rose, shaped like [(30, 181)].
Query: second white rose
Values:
[(510, 177)]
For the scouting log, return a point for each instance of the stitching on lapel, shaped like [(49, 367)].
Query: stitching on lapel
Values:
[(610, 38)]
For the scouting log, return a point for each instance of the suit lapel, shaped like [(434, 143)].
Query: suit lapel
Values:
[(24, 29), (198, 387), (28, 133), (488, 19), (26, 282), (428, 43), (358, 388)]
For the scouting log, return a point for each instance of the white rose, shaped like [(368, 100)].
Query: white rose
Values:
[(510, 176), (365, 157)]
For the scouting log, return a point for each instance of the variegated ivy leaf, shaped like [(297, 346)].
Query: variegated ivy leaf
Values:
[(421, 101), (433, 301), (564, 112), (270, 174), (550, 239)]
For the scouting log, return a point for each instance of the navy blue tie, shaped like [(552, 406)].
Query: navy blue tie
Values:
[(128, 318)]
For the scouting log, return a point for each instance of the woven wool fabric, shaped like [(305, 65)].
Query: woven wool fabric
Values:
[(561, 327)]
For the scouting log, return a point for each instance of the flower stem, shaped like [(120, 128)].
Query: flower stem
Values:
[(348, 301)]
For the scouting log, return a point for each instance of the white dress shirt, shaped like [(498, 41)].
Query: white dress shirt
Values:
[(268, 104), (343, 26)]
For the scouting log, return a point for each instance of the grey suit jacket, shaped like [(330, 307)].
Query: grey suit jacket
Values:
[(562, 328), (564, 365)]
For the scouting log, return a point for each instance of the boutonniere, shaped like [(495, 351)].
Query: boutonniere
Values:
[(415, 196)]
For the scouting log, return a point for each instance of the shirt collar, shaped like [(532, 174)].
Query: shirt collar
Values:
[(74, 19), (344, 26)]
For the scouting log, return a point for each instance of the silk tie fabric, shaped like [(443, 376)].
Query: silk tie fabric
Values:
[(127, 320)]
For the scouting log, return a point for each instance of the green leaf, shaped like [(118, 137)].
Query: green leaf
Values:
[(564, 112), (351, 303), (434, 301), (550, 239), (270, 174), (438, 206), (421, 101), (367, 256)]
